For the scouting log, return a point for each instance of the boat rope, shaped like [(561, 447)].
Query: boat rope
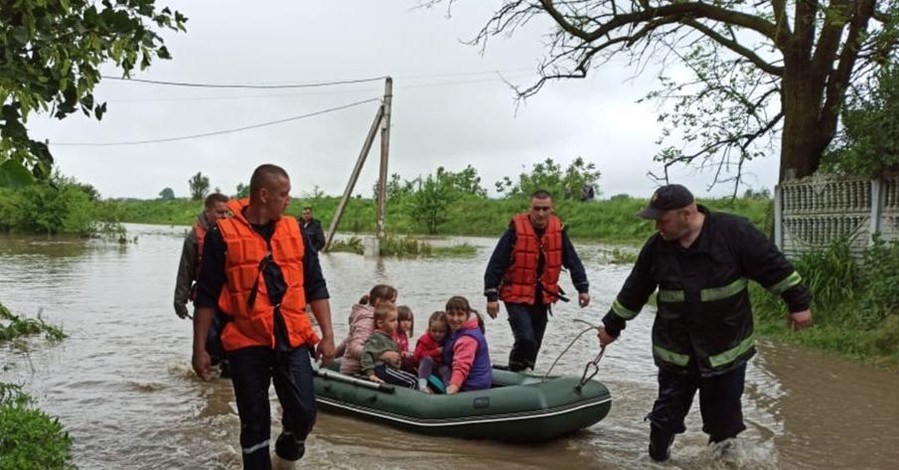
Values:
[(592, 365)]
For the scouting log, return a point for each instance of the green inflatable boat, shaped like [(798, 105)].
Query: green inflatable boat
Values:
[(519, 407)]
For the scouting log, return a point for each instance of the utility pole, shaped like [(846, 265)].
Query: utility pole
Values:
[(382, 122), (385, 151), (348, 191)]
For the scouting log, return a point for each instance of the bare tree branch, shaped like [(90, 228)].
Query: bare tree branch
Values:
[(736, 47)]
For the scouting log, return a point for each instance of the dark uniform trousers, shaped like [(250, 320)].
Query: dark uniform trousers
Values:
[(253, 369), (719, 402), (528, 324)]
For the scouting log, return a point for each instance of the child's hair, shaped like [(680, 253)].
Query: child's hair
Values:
[(405, 313), (382, 310), (461, 303), (378, 292), (438, 317), (458, 303)]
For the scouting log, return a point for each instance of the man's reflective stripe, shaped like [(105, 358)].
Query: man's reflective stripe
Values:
[(718, 293), (792, 280), (706, 295), (669, 356), (623, 311), (731, 354), (670, 295), (251, 449)]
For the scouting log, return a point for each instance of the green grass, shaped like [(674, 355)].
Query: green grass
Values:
[(403, 246), (856, 314), (29, 438), (613, 221), (13, 326)]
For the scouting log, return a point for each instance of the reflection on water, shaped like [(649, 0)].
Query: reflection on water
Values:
[(123, 387)]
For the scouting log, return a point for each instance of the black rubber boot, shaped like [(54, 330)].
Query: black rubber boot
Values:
[(659, 444), (288, 448)]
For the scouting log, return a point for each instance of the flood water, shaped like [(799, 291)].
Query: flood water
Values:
[(122, 385)]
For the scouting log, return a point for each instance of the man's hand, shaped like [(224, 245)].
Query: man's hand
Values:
[(799, 320), (375, 378), (202, 364), (605, 338), (583, 299), (492, 309), (181, 310), (392, 357), (452, 389), (324, 351)]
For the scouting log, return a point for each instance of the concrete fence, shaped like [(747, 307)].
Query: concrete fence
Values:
[(813, 212)]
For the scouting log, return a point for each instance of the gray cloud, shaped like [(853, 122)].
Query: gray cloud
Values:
[(444, 114)]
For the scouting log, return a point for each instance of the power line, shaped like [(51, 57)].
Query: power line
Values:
[(238, 85), (209, 134), (399, 87), (302, 85)]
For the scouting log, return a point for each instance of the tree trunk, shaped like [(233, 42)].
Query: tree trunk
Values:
[(804, 138)]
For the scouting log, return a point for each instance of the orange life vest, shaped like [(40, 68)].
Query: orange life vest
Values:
[(519, 284), (200, 233), (254, 325)]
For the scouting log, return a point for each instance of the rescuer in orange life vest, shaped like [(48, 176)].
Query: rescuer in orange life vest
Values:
[(524, 272), (260, 270)]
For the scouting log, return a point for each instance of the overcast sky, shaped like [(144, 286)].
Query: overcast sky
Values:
[(450, 107)]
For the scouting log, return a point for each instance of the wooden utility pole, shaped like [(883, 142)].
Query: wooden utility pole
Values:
[(382, 122), (348, 191), (385, 151)]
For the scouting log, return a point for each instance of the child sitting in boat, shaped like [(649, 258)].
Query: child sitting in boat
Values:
[(380, 355), (466, 348), (405, 325), (429, 350), (361, 325)]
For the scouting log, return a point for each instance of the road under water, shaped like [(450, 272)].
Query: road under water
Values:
[(123, 387)]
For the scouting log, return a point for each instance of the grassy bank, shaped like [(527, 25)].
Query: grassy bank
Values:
[(29, 438), (855, 305), (608, 220)]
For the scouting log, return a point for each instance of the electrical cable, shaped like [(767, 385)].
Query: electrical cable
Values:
[(300, 85), (209, 134), (239, 85)]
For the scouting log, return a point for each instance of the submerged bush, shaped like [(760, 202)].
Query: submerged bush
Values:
[(60, 206), (13, 326), (29, 438)]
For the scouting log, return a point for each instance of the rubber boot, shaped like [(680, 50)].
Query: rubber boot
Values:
[(281, 464), (288, 451), (659, 444)]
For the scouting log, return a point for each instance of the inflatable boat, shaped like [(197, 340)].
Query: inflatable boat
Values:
[(518, 408)]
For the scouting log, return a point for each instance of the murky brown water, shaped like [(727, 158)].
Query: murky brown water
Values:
[(122, 384)]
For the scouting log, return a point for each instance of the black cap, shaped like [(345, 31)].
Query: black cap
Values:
[(666, 198)]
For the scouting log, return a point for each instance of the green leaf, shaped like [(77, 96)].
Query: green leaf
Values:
[(20, 34), (14, 175), (100, 111)]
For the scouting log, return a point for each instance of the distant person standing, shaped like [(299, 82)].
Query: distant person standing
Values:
[(215, 207), (701, 262), (261, 271), (313, 227), (524, 272)]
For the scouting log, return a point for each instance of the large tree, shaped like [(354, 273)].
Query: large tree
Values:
[(745, 70), (50, 57), (199, 186)]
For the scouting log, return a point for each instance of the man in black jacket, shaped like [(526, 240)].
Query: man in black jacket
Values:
[(701, 263), (313, 228)]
